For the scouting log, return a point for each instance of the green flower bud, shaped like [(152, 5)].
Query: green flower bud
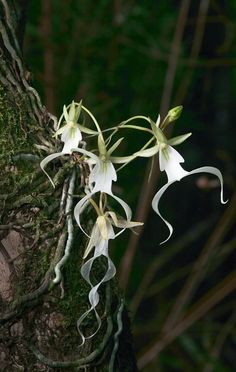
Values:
[(174, 113)]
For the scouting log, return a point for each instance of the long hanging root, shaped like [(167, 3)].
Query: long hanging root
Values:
[(70, 229), (116, 336)]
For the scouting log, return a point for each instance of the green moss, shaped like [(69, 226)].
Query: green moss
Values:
[(15, 125), (76, 289)]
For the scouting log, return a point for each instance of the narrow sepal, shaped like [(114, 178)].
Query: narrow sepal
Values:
[(179, 139)]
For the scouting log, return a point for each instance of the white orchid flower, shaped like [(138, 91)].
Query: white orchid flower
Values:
[(101, 249), (170, 161), (102, 175), (102, 232), (70, 132)]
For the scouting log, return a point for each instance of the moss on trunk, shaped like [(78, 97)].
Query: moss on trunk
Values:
[(37, 318)]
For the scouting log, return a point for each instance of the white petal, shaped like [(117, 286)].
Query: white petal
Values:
[(102, 175), (71, 137), (171, 165), (60, 130), (179, 139), (122, 159), (69, 145), (215, 172), (93, 241), (80, 320), (126, 208), (157, 197), (155, 206), (94, 174), (65, 135), (101, 249), (87, 266), (122, 223), (158, 120), (88, 153), (111, 234), (47, 160), (65, 113), (72, 111), (148, 152), (79, 208)]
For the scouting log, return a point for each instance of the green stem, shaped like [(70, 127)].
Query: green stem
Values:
[(137, 127), (93, 119), (143, 148)]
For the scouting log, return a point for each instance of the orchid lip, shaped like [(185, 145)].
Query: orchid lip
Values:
[(100, 180)]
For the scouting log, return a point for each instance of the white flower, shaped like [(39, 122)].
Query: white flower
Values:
[(102, 232), (170, 161), (70, 133), (102, 175), (100, 242), (71, 137), (101, 178)]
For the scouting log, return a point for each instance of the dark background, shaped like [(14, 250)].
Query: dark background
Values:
[(125, 58)]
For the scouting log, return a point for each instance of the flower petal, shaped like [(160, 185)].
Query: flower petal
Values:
[(127, 210), (93, 241), (158, 120), (179, 139), (122, 159), (78, 210), (155, 206), (65, 113), (114, 146), (71, 137), (124, 224), (170, 160), (81, 319), (88, 153), (148, 152), (72, 111), (47, 160), (82, 204), (101, 249), (102, 175), (157, 197), (86, 130), (60, 130), (215, 172)]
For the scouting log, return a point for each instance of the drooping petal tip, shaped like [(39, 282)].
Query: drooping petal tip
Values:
[(216, 172), (155, 206)]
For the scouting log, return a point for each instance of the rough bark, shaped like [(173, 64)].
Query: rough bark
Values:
[(37, 318)]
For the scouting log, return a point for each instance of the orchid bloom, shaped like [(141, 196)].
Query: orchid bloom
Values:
[(70, 132), (101, 178), (169, 161), (102, 232), (100, 244), (70, 135)]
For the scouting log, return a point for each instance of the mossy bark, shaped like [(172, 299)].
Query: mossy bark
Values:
[(38, 319)]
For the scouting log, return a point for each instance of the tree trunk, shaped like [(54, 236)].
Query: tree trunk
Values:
[(38, 318)]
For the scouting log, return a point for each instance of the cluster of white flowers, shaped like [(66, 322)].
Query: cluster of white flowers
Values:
[(102, 174)]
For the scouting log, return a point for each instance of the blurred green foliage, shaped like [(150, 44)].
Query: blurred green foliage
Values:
[(115, 55)]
